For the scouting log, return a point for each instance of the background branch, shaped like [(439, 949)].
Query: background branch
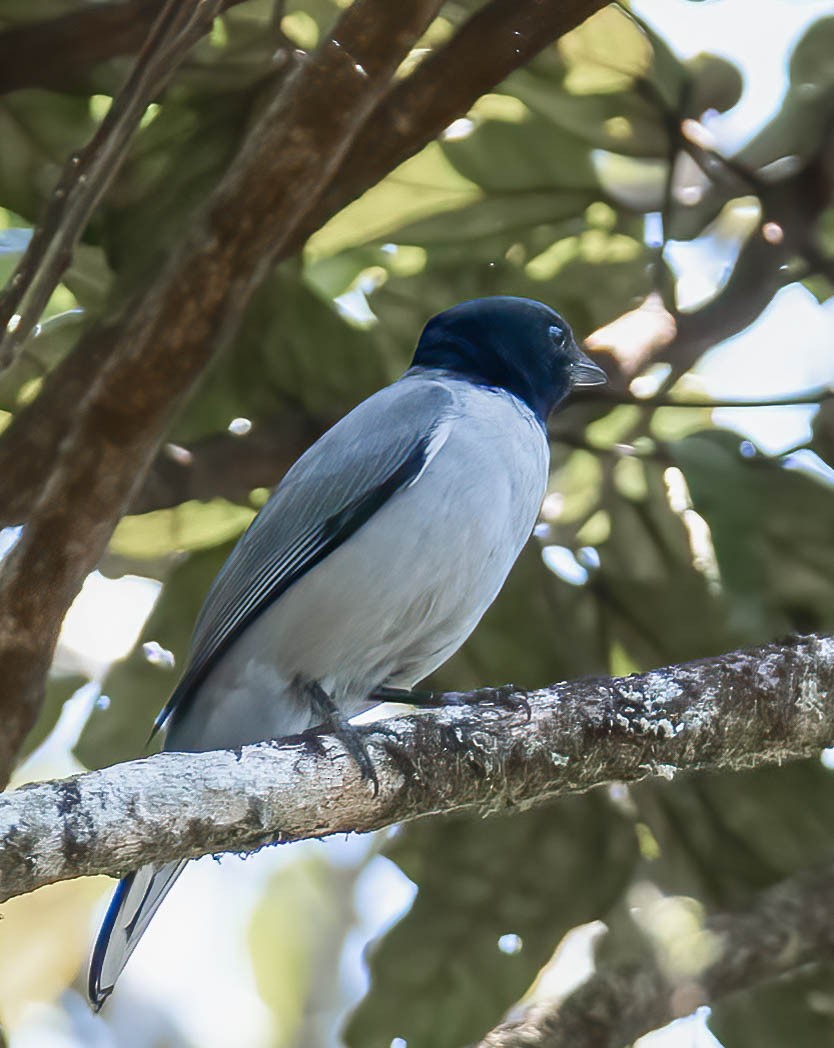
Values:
[(75, 42), (787, 927), (88, 173), (746, 708)]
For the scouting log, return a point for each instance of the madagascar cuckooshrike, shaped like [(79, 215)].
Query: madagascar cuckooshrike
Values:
[(375, 557)]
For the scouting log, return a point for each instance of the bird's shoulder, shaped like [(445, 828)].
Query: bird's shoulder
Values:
[(336, 486)]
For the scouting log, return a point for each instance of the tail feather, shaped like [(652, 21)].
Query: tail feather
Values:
[(135, 901)]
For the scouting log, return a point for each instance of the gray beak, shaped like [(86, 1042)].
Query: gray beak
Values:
[(584, 372)]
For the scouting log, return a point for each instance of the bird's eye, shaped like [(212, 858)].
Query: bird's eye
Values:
[(557, 333)]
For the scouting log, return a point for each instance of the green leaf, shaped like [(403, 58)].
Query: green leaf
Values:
[(812, 61), (440, 978), (174, 162), (535, 157), (238, 53), (479, 228), (137, 688), (189, 526), (715, 84), (795, 1011), (620, 121), (427, 184), (605, 53), (38, 129)]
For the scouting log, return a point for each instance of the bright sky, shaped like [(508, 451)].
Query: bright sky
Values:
[(790, 348)]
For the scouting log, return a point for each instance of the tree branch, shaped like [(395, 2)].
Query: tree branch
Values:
[(794, 205), (787, 927), (813, 396), (75, 42), (746, 708)]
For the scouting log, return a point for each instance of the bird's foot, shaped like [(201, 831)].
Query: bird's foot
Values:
[(389, 739), (353, 736), (506, 697)]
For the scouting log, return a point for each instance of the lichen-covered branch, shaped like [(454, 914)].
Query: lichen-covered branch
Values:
[(787, 927), (743, 709)]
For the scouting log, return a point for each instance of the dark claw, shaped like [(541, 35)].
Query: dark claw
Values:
[(352, 740), (509, 698), (332, 722), (506, 697), (390, 742)]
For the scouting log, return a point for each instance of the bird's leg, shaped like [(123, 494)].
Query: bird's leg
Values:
[(507, 697), (352, 736), (331, 719)]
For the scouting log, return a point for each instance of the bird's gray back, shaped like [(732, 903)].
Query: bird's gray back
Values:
[(346, 464)]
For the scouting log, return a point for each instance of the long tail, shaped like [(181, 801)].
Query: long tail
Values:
[(135, 901)]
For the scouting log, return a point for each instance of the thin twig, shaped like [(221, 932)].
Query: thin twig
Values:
[(815, 396), (88, 173)]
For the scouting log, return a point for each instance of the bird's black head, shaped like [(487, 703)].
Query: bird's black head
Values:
[(516, 344)]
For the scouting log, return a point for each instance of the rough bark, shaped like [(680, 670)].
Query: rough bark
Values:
[(74, 42), (788, 927), (745, 708)]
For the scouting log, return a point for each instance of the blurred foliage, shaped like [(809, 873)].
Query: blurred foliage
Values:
[(690, 544), (296, 934), (718, 837), (798, 1011), (31, 968), (491, 906)]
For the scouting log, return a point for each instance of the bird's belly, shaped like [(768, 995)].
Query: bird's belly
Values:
[(387, 606), (391, 603)]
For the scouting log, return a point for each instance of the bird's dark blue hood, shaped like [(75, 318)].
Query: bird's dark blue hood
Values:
[(517, 344)]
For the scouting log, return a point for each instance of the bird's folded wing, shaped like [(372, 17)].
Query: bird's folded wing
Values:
[(333, 489)]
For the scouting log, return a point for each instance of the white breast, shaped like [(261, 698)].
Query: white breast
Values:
[(404, 592)]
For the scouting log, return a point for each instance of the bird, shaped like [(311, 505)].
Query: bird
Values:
[(374, 558)]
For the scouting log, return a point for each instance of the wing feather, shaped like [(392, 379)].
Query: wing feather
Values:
[(330, 492)]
